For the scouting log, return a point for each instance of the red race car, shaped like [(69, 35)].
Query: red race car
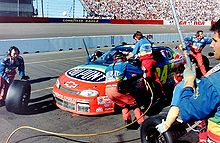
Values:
[(81, 90)]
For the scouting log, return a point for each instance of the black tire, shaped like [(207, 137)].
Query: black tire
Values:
[(18, 96), (149, 133)]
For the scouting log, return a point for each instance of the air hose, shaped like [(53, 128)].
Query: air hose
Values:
[(85, 135)]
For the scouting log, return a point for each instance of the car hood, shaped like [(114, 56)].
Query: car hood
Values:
[(84, 77), (87, 73)]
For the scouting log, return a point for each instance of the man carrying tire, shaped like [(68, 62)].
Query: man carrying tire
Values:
[(8, 67), (199, 99)]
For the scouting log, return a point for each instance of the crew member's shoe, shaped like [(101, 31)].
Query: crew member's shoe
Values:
[(2, 103), (133, 126)]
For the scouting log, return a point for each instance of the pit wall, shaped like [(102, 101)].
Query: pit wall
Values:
[(37, 45)]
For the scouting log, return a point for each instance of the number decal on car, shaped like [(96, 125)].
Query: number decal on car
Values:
[(162, 75)]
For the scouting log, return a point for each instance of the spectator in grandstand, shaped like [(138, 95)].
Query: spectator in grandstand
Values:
[(8, 67), (143, 49), (147, 9), (94, 56), (200, 101), (196, 44), (119, 79)]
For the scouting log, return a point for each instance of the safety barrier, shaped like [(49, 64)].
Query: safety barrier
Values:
[(69, 43)]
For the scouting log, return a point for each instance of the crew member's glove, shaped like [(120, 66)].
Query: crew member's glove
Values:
[(189, 76), (180, 47), (8, 80), (162, 127), (25, 77)]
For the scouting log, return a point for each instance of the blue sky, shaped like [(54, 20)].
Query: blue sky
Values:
[(59, 8)]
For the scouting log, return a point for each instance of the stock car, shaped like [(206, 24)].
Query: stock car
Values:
[(81, 89)]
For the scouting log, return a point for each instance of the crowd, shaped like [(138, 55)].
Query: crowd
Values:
[(199, 10)]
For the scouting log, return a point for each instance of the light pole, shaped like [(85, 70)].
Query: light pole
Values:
[(188, 62), (74, 2), (42, 8), (18, 8)]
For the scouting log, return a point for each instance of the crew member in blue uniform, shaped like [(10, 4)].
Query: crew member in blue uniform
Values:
[(199, 99), (119, 76), (94, 56), (8, 67), (196, 44)]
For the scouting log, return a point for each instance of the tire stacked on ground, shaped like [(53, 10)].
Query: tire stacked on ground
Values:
[(18, 96)]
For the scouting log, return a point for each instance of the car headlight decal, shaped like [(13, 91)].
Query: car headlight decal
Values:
[(58, 83), (89, 93)]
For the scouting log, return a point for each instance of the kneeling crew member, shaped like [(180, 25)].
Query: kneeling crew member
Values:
[(118, 76)]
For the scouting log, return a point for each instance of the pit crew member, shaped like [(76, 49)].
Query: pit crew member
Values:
[(8, 67), (143, 48), (94, 56), (201, 100), (119, 77), (196, 44)]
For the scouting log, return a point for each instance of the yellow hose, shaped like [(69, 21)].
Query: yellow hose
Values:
[(84, 135)]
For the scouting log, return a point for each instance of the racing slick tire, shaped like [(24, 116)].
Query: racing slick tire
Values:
[(18, 96), (149, 133)]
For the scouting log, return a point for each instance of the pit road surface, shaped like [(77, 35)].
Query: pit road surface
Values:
[(44, 68)]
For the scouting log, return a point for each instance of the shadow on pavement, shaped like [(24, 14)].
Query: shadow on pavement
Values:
[(54, 136), (38, 105), (42, 79)]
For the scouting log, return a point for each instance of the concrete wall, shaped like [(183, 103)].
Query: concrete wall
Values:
[(76, 42)]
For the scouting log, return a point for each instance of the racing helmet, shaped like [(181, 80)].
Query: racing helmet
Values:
[(119, 56), (98, 53), (138, 35)]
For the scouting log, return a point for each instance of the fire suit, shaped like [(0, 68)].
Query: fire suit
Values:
[(122, 72), (195, 46), (202, 102), (144, 49), (7, 73)]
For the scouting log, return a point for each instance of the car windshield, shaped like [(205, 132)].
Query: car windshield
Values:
[(108, 57)]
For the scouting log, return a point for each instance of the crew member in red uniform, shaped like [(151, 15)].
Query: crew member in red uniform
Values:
[(8, 67), (196, 44), (143, 49), (118, 79)]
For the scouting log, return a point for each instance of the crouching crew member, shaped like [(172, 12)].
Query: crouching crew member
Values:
[(119, 77), (94, 56), (8, 67)]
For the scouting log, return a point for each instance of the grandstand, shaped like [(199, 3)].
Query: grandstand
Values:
[(190, 10)]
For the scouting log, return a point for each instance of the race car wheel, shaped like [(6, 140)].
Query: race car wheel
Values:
[(18, 96), (149, 133)]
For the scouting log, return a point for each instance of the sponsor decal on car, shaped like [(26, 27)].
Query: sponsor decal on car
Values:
[(99, 109), (107, 109), (70, 84), (85, 74), (104, 100), (58, 95)]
